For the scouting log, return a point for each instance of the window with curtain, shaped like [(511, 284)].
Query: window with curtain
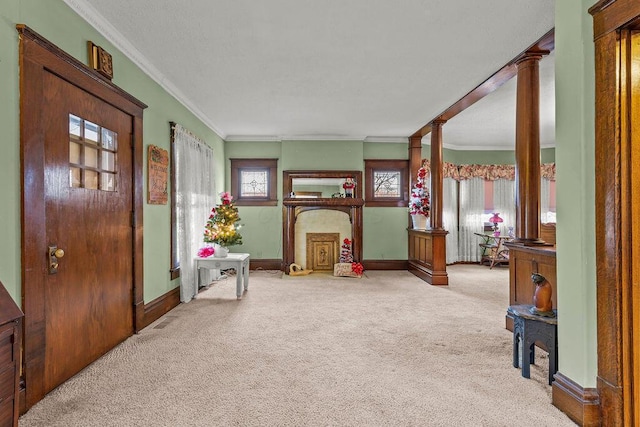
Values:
[(471, 219), (450, 217), (194, 195), (504, 202), (548, 193)]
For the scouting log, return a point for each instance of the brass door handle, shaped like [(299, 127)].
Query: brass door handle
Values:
[(54, 254)]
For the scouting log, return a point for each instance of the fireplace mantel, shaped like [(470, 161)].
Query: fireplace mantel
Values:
[(324, 203), (293, 206)]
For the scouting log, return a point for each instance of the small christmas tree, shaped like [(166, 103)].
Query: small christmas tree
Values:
[(222, 227), (419, 203), (346, 255)]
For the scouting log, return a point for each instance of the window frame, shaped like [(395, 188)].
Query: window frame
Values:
[(268, 165), (372, 166)]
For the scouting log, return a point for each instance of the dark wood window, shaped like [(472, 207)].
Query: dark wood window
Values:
[(386, 183), (254, 182)]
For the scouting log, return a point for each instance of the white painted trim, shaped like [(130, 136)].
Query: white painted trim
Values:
[(323, 138), (97, 21), (389, 139), (252, 138)]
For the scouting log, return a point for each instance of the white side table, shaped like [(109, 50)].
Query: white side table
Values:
[(234, 260)]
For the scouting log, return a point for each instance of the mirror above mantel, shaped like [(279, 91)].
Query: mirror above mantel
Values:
[(321, 184)]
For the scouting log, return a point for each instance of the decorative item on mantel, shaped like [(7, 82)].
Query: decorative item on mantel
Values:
[(349, 186), (419, 207), (495, 219), (221, 228), (542, 303)]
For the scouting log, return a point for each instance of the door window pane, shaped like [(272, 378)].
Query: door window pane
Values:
[(108, 181), (74, 125), (108, 161), (74, 152), (109, 139), (90, 131), (92, 155), (74, 178), (91, 179)]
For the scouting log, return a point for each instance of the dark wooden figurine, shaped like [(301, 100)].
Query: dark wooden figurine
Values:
[(542, 304)]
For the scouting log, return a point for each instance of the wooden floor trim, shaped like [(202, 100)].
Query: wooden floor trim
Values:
[(582, 405), (385, 264), (160, 306), (265, 264)]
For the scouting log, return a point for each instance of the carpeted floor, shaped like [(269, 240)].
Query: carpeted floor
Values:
[(383, 350)]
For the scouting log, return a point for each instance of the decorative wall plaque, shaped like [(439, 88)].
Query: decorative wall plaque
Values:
[(100, 60), (158, 174)]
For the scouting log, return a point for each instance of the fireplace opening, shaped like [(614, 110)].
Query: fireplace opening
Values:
[(323, 250), (318, 234)]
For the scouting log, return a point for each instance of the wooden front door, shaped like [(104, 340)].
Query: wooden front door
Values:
[(633, 165), (81, 150), (88, 204)]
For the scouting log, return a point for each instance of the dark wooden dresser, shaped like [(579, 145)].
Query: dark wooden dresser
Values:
[(10, 330)]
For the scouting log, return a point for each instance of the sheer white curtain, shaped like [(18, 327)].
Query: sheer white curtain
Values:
[(472, 218), (504, 202), (450, 217), (195, 197), (545, 190)]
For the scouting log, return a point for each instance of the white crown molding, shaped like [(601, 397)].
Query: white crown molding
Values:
[(388, 139), (322, 138), (252, 138), (271, 138), (97, 21)]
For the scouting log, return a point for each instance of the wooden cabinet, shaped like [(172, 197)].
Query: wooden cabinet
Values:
[(10, 329), (523, 262)]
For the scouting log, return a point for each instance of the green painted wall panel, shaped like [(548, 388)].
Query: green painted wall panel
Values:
[(262, 226), (322, 155), (385, 234), (10, 144), (386, 150), (575, 160)]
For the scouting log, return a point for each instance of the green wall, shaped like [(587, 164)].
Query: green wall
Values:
[(575, 154), (384, 229), (60, 25), (261, 225)]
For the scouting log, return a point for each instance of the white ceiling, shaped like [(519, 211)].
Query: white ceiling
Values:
[(333, 69)]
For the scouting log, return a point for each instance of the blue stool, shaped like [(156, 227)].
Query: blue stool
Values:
[(529, 328)]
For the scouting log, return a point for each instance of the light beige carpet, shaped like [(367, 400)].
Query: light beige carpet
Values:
[(384, 350)]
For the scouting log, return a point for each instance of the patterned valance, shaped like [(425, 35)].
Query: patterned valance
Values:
[(488, 172)]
